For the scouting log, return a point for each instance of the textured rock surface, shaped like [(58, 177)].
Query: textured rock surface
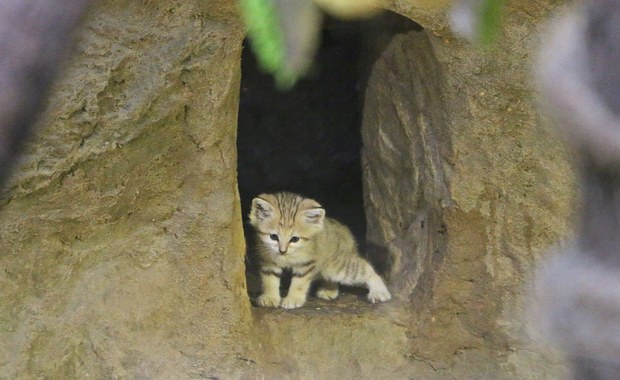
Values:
[(509, 185), (406, 144), (121, 242), (343, 339)]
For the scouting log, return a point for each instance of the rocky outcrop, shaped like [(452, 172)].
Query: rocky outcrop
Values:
[(121, 242), (509, 184)]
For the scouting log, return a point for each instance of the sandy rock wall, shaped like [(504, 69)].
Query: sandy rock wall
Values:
[(406, 145), (510, 187), (121, 243), (120, 238)]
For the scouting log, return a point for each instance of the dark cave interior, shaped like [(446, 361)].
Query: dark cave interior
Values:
[(306, 140)]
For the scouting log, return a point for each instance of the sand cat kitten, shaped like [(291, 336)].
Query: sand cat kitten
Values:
[(293, 232)]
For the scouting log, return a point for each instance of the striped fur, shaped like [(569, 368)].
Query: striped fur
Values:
[(294, 233)]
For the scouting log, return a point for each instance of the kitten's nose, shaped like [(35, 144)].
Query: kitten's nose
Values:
[(281, 251)]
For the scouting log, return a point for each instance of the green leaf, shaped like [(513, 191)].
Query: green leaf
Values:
[(266, 37), (490, 21)]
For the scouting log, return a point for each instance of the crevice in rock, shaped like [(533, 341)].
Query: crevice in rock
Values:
[(365, 135)]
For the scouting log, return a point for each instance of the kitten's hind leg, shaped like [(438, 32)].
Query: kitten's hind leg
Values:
[(358, 271), (328, 290), (377, 291)]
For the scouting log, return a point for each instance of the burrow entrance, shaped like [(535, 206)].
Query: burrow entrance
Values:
[(365, 135)]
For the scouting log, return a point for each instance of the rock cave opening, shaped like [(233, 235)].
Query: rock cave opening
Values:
[(306, 140), (361, 134)]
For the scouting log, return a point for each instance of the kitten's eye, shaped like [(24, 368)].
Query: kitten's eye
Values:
[(273, 237), (294, 239)]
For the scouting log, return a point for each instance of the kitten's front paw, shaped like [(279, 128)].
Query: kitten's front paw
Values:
[(267, 300), (293, 302), (327, 294), (379, 295)]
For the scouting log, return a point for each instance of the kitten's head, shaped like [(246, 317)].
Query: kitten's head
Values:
[(285, 221)]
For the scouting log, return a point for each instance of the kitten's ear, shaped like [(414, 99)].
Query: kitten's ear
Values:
[(261, 210), (314, 216)]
